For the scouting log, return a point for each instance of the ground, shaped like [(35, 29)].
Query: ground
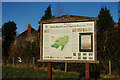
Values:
[(13, 72), (41, 74)]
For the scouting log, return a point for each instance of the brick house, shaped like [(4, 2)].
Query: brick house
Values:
[(29, 35)]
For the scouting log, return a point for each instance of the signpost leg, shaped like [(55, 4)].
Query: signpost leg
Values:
[(49, 73), (87, 71)]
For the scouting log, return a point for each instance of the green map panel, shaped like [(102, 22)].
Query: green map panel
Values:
[(62, 41)]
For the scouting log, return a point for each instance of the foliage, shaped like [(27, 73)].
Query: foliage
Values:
[(116, 53), (8, 34), (31, 50), (105, 20), (105, 27), (47, 15), (108, 42), (26, 53)]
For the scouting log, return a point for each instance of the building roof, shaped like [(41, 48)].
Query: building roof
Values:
[(26, 32), (68, 18)]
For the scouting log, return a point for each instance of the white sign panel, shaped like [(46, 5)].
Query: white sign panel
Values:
[(68, 41)]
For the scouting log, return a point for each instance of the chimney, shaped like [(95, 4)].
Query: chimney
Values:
[(29, 29)]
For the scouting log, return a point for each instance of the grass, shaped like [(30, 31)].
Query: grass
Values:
[(13, 72)]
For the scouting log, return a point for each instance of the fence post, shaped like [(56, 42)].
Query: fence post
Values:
[(33, 60), (65, 66), (109, 67), (13, 61)]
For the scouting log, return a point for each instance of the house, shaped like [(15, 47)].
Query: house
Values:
[(29, 35), (18, 44)]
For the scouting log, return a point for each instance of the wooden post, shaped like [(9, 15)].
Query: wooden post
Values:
[(13, 61), (49, 73), (33, 60), (109, 67), (65, 67), (87, 71)]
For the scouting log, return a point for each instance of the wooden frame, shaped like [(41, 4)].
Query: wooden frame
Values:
[(86, 50), (71, 61)]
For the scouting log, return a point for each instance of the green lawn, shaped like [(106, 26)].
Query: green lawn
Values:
[(10, 72)]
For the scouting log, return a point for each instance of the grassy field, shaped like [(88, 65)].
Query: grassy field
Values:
[(10, 72), (13, 73)]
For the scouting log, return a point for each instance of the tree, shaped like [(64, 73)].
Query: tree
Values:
[(105, 40), (47, 15), (60, 10), (105, 20), (116, 55), (105, 26), (8, 34)]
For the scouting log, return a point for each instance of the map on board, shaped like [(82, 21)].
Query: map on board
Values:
[(68, 41), (62, 41)]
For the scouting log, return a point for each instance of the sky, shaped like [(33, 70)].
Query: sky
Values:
[(24, 13)]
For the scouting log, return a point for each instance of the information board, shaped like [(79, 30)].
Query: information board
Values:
[(68, 41)]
